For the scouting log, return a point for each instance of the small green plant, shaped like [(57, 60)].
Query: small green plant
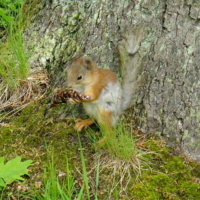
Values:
[(119, 143), (119, 157), (56, 189), (72, 184), (12, 170), (85, 176)]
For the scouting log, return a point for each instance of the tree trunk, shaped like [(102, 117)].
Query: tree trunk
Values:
[(156, 43)]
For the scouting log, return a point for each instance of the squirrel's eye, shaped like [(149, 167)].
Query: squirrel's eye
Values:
[(79, 77)]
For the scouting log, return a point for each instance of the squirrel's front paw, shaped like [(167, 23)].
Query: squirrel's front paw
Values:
[(74, 101)]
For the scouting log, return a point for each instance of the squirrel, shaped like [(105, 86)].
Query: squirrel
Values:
[(102, 87)]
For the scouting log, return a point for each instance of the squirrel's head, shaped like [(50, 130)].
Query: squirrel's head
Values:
[(81, 72)]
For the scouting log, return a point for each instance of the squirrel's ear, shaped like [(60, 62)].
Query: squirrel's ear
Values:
[(89, 64), (77, 56)]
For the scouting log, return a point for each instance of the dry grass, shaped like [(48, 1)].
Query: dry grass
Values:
[(14, 100), (118, 172)]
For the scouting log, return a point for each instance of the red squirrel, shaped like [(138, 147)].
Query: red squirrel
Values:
[(103, 89)]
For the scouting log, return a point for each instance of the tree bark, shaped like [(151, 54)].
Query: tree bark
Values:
[(156, 43)]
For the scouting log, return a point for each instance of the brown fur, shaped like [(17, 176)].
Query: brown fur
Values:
[(97, 78), (93, 81)]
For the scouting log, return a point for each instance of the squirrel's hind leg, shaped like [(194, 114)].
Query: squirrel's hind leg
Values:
[(83, 123), (105, 121)]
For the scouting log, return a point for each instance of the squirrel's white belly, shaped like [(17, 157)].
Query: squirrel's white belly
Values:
[(109, 100)]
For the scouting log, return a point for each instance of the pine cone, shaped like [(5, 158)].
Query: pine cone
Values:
[(61, 95)]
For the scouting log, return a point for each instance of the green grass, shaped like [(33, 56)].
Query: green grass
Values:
[(119, 144), (54, 189), (84, 174), (9, 10), (14, 65), (119, 156), (65, 188), (93, 171)]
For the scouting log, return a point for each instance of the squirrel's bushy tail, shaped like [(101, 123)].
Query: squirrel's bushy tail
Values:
[(131, 65)]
